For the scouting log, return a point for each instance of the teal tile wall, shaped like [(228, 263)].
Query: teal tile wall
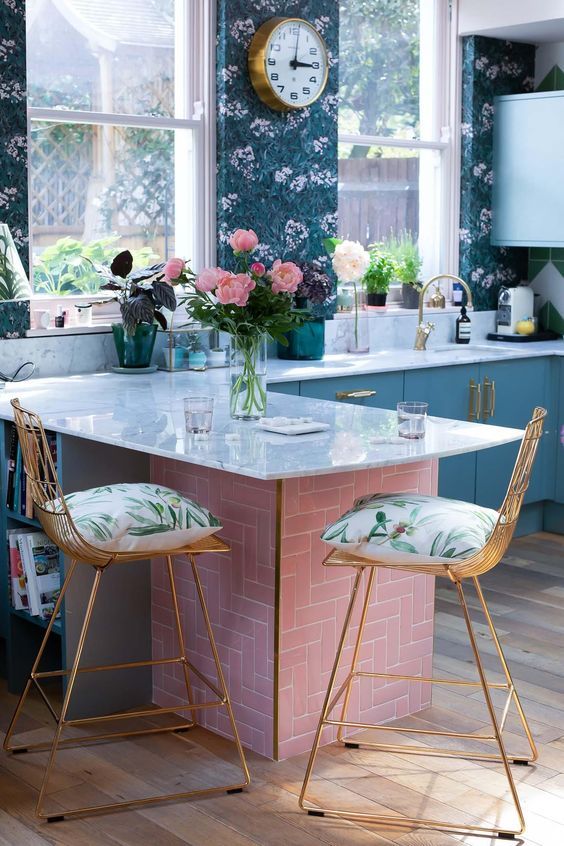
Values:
[(490, 67), (276, 171), (13, 125)]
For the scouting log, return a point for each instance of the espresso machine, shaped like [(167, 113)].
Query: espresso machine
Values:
[(513, 305)]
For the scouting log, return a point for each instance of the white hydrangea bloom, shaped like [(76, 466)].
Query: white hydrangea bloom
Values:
[(350, 261)]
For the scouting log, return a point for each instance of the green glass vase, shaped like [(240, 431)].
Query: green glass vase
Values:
[(306, 343), (135, 350)]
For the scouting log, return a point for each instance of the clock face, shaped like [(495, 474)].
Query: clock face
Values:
[(294, 64)]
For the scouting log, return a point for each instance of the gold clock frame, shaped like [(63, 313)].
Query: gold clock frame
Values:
[(257, 60)]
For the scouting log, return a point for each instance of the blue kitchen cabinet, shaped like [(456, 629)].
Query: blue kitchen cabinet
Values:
[(379, 390), (292, 388), (448, 392), (558, 425), (512, 389)]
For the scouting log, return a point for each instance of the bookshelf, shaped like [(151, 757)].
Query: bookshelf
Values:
[(121, 625)]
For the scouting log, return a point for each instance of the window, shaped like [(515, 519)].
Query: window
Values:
[(115, 131), (393, 151)]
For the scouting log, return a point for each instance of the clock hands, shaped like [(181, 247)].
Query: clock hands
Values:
[(295, 64)]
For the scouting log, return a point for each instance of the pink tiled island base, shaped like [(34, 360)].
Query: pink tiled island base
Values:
[(277, 612)]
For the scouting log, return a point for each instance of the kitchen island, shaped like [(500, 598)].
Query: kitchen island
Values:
[(276, 611)]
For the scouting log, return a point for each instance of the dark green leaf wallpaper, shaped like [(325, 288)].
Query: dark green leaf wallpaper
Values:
[(277, 171), (490, 67), (13, 124)]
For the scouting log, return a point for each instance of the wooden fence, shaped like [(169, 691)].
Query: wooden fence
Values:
[(377, 196)]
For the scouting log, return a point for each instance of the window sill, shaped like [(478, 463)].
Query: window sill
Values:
[(52, 332)]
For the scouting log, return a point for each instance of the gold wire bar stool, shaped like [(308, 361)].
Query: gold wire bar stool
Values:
[(56, 519), (466, 568)]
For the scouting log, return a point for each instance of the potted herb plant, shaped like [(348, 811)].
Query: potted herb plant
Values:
[(141, 295), (405, 252), (378, 277), (307, 342)]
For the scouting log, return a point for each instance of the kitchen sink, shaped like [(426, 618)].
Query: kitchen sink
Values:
[(485, 348)]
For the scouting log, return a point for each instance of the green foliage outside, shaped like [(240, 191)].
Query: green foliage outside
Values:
[(65, 267), (379, 69)]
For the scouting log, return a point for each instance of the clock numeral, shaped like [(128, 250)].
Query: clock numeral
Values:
[(313, 79), (294, 95), (306, 91), (274, 77), (313, 51), (315, 65), (295, 30), (275, 47), (281, 88), (272, 61)]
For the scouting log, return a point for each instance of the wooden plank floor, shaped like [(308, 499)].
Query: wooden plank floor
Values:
[(526, 595)]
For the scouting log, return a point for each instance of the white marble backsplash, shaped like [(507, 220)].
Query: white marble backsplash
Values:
[(396, 330), (62, 355)]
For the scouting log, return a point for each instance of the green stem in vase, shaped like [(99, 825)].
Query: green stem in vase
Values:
[(248, 384), (355, 315)]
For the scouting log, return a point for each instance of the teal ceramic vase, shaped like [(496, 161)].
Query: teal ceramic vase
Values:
[(135, 350), (306, 343)]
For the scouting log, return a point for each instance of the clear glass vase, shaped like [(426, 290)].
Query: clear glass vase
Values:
[(247, 364)]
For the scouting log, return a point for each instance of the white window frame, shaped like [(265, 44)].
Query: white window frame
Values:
[(194, 96), (443, 134)]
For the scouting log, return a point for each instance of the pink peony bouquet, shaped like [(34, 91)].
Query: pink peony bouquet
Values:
[(250, 300)]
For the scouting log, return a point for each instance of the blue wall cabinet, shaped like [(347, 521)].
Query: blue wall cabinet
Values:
[(447, 390), (510, 392), (379, 390)]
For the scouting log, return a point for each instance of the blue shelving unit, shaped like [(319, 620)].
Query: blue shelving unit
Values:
[(21, 632)]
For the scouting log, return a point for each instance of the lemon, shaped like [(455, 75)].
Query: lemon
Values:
[(525, 327)]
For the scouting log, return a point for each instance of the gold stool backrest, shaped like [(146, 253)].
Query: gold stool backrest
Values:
[(502, 534), (46, 492)]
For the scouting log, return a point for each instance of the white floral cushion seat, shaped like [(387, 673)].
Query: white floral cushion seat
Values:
[(139, 517), (414, 528)]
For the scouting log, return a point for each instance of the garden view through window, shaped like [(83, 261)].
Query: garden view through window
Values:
[(390, 151), (106, 156)]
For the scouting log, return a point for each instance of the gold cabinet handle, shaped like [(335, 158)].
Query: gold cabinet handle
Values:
[(489, 398), (342, 395), (475, 401)]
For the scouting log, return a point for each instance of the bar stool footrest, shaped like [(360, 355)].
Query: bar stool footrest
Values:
[(350, 745), (316, 813)]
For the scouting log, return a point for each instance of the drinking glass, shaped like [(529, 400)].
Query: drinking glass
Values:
[(198, 414), (411, 419)]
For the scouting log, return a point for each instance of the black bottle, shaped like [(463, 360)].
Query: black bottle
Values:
[(463, 327)]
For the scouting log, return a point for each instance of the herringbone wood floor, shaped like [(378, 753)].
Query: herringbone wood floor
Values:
[(526, 596)]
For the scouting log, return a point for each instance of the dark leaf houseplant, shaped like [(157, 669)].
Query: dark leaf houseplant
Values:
[(307, 342), (142, 294)]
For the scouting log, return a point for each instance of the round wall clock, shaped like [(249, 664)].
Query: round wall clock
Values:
[(288, 63)]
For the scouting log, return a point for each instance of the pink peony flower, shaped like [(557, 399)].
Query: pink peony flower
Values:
[(208, 278), (285, 277), (258, 268), (234, 289), (244, 240), (173, 269)]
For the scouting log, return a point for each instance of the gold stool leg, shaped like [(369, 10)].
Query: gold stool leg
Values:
[(491, 709), (31, 679), (329, 699), (181, 643), (404, 821), (68, 694), (513, 692), (221, 679), (356, 653)]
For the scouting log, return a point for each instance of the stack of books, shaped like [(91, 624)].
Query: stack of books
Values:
[(18, 495), (35, 578)]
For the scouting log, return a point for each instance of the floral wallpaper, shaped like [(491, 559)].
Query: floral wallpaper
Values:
[(13, 124), (489, 67), (277, 171)]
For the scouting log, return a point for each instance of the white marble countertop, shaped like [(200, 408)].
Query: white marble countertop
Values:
[(145, 413), (347, 364)]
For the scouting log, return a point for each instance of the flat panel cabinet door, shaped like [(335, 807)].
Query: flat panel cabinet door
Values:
[(558, 425), (447, 390), (518, 386), (379, 390), (285, 388)]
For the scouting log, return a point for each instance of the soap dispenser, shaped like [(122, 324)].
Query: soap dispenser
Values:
[(463, 327)]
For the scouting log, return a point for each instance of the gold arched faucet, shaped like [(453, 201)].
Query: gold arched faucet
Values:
[(424, 329)]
